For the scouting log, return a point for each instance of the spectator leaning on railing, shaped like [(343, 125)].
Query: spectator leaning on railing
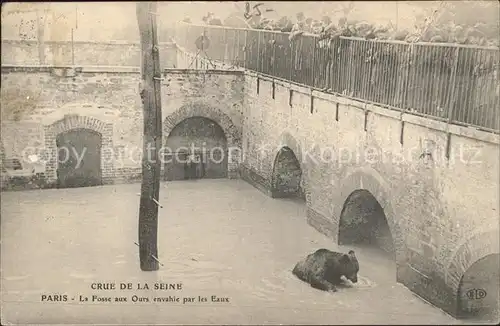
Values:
[(430, 29), (211, 19)]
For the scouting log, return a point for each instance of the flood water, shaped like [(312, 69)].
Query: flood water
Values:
[(216, 237)]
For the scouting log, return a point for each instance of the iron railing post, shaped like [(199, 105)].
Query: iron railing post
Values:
[(451, 108), (274, 61), (224, 59), (340, 75), (406, 80), (313, 75), (258, 51), (451, 103), (245, 48), (292, 55)]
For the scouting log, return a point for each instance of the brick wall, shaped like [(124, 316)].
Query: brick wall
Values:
[(112, 53), (74, 121), (432, 205), (214, 94), (110, 95)]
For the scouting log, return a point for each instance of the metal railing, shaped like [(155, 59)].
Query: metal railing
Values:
[(458, 84)]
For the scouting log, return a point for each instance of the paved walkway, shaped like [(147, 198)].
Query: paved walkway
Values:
[(216, 237)]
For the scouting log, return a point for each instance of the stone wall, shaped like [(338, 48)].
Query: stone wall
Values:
[(214, 94), (84, 53), (442, 212), (188, 60), (437, 183), (110, 95)]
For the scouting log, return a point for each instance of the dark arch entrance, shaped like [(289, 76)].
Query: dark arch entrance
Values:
[(79, 158), (287, 176), (478, 292), (203, 138), (363, 223)]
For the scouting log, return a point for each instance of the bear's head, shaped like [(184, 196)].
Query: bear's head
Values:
[(350, 266)]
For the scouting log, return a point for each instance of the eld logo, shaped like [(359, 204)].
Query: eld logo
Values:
[(476, 294)]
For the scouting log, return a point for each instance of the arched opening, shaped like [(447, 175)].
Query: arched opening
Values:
[(78, 158), (478, 292), (196, 148), (287, 176), (363, 223)]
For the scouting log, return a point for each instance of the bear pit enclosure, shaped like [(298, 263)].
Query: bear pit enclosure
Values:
[(232, 241)]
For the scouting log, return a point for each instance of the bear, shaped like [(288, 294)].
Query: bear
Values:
[(324, 268)]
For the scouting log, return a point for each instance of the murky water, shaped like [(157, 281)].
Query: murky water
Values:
[(217, 237)]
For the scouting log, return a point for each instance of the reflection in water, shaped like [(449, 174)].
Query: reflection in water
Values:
[(231, 242)]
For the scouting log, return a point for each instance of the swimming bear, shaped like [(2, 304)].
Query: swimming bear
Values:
[(324, 268)]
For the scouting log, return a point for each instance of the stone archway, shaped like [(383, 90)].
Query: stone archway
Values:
[(474, 268), (231, 132), (365, 185), (363, 222), (79, 158), (71, 125), (478, 292), (288, 177), (206, 140)]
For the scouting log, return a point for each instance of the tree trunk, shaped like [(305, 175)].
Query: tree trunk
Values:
[(150, 94)]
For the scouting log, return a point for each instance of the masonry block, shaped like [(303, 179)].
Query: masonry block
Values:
[(420, 201), (86, 53), (116, 112)]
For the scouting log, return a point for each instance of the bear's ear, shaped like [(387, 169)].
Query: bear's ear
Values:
[(345, 259)]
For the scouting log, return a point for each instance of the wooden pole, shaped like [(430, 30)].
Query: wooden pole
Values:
[(150, 94)]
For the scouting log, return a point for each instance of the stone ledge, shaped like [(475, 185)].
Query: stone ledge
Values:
[(281, 194), (475, 133), (90, 42), (321, 223), (108, 180), (113, 69), (394, 113), (233, 171), (431, 289), (255, 179), (128, 175), (6, 68), (167, 71)]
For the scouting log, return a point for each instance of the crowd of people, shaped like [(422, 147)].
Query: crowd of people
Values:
[(326, 28)]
